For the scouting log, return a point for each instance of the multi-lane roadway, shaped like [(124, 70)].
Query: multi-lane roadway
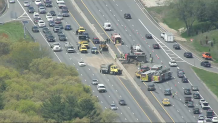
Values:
[(136, 110), (133, 32)]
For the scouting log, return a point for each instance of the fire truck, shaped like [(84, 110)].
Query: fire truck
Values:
[(136, 50), (162, 75), (116, 38)]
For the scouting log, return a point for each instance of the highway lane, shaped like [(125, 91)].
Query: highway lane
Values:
[(13, 12), (172, 84), (133, 106)]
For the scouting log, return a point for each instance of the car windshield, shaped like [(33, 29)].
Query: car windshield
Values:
[(112, 105), (81, 62), (173, 61), (94, 48), (102, 87), (206, 62), (205, 104), (94, 80)]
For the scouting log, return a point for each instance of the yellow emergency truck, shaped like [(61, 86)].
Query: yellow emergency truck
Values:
[(162, 75)]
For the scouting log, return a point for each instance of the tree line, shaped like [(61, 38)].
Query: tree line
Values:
[(198, 16), (34, 88)]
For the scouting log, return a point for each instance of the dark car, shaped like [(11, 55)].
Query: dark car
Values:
[(50, 38), (57, 21), (60, 25), (65, 13), (48, 4), (51, 23), (42, 10), (190, 104), (96, 40), (187, 91), (196, 96), (127, 16), (86, 34), (188, 55), (205, 64), (31, 9), (56, 28), (41, 5), (196, 111), (45, 29), (167, 92), (151, 87), (210, 113), (48, 34), (122, 102), (62, 37), (184, 80), (180, 74), (148, 36), (68, 27), (94, 50), (36, 20), (156, 46), (52, 12), (194, 88), (35, 29), (64, 8), (178, 70), (60, 32), (176, 46)]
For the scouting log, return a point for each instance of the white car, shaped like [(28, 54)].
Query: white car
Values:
[(35, 15), (41, 23), (82, 64), (215, 120), (94, 81), (37, 2), (60, 1), (55, 44), (113, 107), (11, 1), (48, 15), (26, 4), (56, 48), (50, 19), (60, 16), (205, 105), (101, 88), (173, 63), (201, 100)]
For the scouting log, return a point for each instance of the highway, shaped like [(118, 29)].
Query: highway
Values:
[(136, 110), (133, 32)]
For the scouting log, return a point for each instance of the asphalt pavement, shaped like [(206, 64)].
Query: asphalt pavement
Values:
[(133, 112), (133, 32)]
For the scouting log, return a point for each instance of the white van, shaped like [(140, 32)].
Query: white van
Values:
[(107, 26)]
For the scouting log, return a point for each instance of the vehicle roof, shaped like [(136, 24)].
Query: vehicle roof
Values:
[(100, 84), (167, 89), (94, 79), (166, 99), (112, 104)]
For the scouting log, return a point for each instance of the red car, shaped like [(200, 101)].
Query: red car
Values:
[(58, 21)]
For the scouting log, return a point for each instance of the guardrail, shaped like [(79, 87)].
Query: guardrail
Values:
[(4, 8), (31, 36)]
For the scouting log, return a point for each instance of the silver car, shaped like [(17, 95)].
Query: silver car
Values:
[(113, 107), (94, 81), (26, 4), (11, 1)]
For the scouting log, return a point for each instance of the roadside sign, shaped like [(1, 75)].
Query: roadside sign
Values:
[(25, 22), (191, 39)]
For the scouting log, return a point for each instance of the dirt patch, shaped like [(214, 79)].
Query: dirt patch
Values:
[(131, 68), (152, 3), (4, 35)]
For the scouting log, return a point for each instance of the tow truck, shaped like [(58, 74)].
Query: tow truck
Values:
[(80, 30), (110, 69), (82, 48), (162, 75), (116, 39), (83, 41)]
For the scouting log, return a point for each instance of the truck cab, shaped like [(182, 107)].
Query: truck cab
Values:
[(82, 48), (80, 30), (84, 43), (107, 26), (116, 38)]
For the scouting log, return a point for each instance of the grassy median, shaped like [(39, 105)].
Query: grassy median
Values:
[(209, 78), (13, 31)]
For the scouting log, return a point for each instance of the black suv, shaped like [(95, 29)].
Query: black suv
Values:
[(31, 9), (180, 74), (151, 87), (50, 38), (196, 111), (187, 91), (167, 92), (45, 29), (122, 102), (35, 29), (176, 46), (184, 80), (188, 55), (62, 37), (148, 36), (196, 96), (205, 64), (127, 16)]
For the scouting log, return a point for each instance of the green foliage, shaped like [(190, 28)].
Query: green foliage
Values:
[(209, 78), (4, 47), (1, 102), (109, 116), (22, 53)]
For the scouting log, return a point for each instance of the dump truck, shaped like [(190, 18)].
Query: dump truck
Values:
[(110, 69), (80, 30), (206, 56), (162, 75), (116, 38), (103, 46), (136, 50), (82, 48)]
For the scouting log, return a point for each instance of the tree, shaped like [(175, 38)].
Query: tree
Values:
[(86, 106), (4, 47), (22, 53), (1, 102), (188, 10), (109, 116), (212, 13)]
